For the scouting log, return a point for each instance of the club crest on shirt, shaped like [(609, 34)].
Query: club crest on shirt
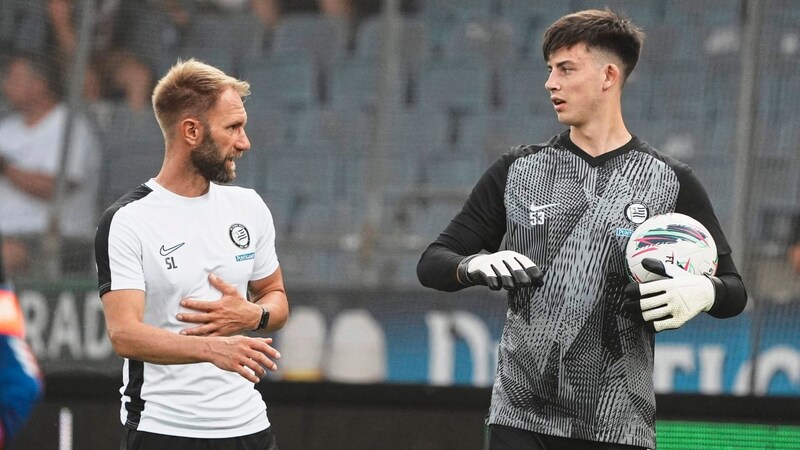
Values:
[(239, 235), (636, 212)]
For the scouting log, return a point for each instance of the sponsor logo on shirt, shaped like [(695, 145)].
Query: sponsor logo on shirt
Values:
[(245, 256)]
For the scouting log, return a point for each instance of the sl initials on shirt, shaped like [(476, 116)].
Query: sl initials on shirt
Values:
[(170, 261)]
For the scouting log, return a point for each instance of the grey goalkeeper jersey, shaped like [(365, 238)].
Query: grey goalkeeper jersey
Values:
[(571, 362)]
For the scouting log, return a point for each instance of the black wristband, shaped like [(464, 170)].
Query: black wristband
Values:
[(264, 319), (461, 272)]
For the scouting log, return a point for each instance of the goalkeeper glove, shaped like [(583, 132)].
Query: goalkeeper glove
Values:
[(506, 269), (671, 302)]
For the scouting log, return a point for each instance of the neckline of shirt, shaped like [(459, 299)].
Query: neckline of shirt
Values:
[(180, 200), (565, 141)]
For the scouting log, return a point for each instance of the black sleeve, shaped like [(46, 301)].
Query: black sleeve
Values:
[(480, 225), (694, 202), (730, 297)]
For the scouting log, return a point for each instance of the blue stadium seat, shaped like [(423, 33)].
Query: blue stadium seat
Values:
[(490, 39), (416, 133), (325, 38), (132, 153), (152, 36), (355, 83), (530, 19), (237, 35), (460, 85), (522, 87), (490, 135), (709, 13), (458, 11), (283, 80), (343, 131), (644, 13), (413, 42)]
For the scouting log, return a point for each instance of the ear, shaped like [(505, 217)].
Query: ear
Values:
[(191, 131), (612, 76)]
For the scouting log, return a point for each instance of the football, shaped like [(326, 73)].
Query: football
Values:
[(680, 242)]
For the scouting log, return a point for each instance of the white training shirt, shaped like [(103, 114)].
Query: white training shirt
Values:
[(37, 148), (166, 245)]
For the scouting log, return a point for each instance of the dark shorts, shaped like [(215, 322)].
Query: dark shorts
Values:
[(142, 440), (500, 437)]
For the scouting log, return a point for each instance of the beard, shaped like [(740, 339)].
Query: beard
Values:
[(208, 161)]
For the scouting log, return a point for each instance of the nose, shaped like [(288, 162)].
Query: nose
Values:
[(243, 143), (551, 84)]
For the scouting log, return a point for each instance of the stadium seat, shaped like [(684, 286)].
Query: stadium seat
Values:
[(490, 39), (522, 87), (132, 153), (283, 80), (459, 86), (355, 83), (709, 13), (342, 131), (418, 132), (490, 135), (237, 35), (325, 38), (152, 36), (643, 13), (457, 11), (529, 20), (413, 42)]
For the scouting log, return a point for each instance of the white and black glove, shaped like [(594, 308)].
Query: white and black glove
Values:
[(506, 269), (671, 302)]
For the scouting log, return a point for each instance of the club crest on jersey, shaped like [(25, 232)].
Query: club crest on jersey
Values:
[(636, 212), (239, 235)]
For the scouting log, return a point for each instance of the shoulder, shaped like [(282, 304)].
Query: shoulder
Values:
[(133, 197), (679, 167), (523, 150)]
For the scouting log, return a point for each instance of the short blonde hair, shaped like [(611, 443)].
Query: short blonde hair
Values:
[(191, 88)]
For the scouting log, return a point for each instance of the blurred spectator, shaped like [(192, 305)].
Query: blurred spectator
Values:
[(794, 249), (20, 378), (30, 152), (268, 11), (115, 77)]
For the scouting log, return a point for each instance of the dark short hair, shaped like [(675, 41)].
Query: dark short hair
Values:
[(605, 30)]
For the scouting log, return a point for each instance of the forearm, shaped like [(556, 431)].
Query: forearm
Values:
[(730, 296), (151, 344), (437, 268), (34, 183), (278, 306)]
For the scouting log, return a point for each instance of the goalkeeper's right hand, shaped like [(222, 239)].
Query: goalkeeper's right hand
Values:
[(506, 269)]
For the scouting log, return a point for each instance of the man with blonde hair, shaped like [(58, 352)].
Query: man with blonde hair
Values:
[(187, 266)]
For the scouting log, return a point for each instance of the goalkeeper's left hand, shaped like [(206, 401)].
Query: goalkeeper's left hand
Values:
[(671, 302)]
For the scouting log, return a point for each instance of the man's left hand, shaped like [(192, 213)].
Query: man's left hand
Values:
[(668, 303), (229, 315)]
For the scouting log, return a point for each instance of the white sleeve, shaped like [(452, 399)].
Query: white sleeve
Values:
[(125, 256)]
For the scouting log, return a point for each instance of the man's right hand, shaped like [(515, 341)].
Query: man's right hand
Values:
[(506, 269), (249, 357)]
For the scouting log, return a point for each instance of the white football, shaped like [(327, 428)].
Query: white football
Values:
[(677, 240)]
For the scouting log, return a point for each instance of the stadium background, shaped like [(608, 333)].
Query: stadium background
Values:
[(368, 133)]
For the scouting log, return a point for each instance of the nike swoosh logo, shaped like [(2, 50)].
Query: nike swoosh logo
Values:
[(538, 208), (167, 251)]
